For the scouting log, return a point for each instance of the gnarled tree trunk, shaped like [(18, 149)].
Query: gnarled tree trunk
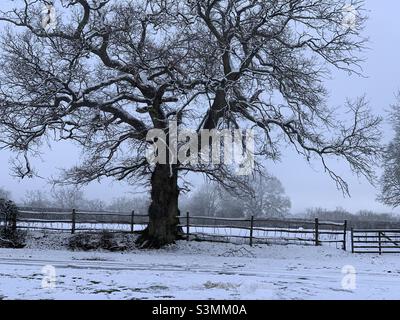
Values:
[(163, 210)]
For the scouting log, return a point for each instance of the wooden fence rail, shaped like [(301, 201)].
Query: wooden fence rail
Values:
[(74, 220), (260, 231), (251, 230)]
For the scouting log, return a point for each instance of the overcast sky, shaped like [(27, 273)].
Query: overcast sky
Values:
[(307, 186)]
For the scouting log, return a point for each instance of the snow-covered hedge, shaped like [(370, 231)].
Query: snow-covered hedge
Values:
[(10, 237)]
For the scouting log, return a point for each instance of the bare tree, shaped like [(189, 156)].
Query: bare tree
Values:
[(390, 180), (94, 205), (204, 201), (108, 71), (230, 206), (268, 200), (338, 214), (5, 194), (69, 198), (37, 199), (127, 204)]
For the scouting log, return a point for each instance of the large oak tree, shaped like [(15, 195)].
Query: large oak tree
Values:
[(109, 71)]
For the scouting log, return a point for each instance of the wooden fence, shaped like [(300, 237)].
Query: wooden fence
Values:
[(244, 230), (256, 231), (376, 241), (79, 221)]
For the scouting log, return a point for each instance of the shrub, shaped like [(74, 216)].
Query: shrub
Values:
[(10, 237), (105, 240), (83, 241), (8, 213)]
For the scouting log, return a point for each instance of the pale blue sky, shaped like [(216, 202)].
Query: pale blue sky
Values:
[(307, 186)]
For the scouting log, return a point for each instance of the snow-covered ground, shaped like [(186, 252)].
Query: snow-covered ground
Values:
[(195, 270)]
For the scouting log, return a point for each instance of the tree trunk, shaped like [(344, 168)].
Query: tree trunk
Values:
[(163, 210)]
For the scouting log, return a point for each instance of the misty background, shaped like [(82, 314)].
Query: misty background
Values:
[(306, 186)]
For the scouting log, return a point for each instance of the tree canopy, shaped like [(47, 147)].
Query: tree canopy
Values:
[(105, 72)]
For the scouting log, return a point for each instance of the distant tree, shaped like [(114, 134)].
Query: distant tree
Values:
[(363, 219), (268, 198), (204, 201), (69, 198), (121, 204), (230, 206), (325, 214), (127, 204), (264, 198), (94, 205), (390, 180), (369, 215), (5, 194), (37, 199)]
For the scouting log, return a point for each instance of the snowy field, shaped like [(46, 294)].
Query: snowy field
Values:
[(195, 270)]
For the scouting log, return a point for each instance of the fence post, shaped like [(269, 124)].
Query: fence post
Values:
[(73, 221), (380, 242), (187, 226), (344, 234), (352, 240), (251, 230), (133, 221), (316, 232)]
